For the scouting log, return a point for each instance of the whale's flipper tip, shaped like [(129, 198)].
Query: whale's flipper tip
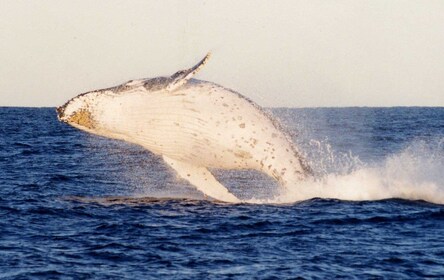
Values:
[(182, 77)]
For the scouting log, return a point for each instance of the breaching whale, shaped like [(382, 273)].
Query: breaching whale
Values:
[(193, 125)]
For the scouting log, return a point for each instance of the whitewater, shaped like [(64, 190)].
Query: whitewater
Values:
[(416, 173)]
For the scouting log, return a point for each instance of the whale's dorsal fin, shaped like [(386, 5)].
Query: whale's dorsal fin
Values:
[(180, 78)]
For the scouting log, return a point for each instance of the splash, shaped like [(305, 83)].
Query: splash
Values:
[(416, 173)]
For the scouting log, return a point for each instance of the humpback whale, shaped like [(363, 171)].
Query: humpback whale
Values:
[(193, 125)]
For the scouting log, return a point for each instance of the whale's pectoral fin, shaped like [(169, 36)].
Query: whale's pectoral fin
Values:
[(202, 179), (180, 78)]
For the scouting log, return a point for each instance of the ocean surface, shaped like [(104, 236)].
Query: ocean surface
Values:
[(78, 206)]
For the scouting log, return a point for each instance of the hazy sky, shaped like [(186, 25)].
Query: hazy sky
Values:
[(278, 53)]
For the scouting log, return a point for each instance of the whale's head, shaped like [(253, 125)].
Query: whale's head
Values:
[(78, 111)]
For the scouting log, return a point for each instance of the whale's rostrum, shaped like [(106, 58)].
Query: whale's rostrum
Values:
[(193, 125)]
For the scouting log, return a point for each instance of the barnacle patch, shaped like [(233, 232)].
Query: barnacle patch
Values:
[(82, 117)]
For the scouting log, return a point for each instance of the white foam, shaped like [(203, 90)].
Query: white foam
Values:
[(416, 173)]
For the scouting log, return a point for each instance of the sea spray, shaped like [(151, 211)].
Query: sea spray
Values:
[(416, 173)]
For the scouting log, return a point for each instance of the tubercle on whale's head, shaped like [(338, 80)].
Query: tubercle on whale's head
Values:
[(77, 112)]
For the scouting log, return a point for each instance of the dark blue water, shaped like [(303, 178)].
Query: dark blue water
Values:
[(77, 206)]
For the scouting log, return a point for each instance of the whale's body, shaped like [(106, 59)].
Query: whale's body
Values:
[(193, 125)]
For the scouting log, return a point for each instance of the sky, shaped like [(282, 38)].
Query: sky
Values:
[(277, 53)]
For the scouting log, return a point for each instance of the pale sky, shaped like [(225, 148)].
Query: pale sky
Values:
[(277, 53)]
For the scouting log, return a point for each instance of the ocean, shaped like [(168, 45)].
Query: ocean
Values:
[(78, 206)]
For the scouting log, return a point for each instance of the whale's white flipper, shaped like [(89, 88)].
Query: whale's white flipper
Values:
[(182, 77), (202, 179)]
